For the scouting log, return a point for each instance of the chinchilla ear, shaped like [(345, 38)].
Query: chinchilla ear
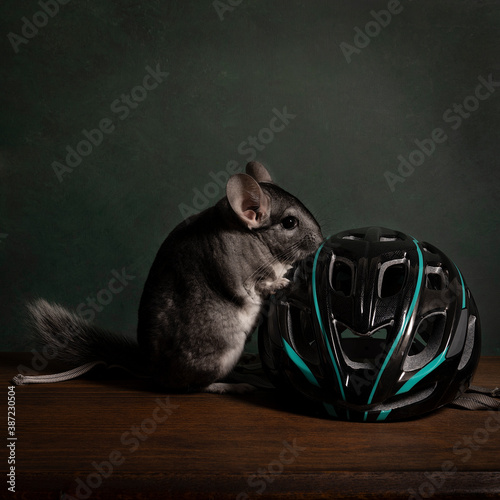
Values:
[(248, 200), (258, 172)]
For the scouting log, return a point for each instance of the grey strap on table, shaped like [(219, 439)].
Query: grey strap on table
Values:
[(21, 379), (479, 398)]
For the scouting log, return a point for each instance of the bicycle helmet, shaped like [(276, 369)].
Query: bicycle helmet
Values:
[(375, 326)]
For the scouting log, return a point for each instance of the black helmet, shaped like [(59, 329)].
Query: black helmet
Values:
[(376, 326)]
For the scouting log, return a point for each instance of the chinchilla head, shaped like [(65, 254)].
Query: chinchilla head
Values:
[(277, 218)]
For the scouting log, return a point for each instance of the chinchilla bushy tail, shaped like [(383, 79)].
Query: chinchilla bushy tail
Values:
[(74, 341)]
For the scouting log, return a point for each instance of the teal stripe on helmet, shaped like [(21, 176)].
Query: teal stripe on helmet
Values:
[(300, 364), (383, 415), (330, 409), (405, 322), (463, 286), (318, 315), (428, 368), (307, 373)]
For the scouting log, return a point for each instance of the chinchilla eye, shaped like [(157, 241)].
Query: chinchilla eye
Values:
[(289, 222)]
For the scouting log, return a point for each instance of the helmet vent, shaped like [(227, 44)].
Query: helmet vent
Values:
[(392, 277), (302, 335), (432, 254), (436, 278), (406, 399), (341, 277), (353, 236), (361, 351), (469, 342), (426, 341), (380, 334)]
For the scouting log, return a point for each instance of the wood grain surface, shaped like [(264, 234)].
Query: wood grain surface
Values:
[(107, 436)]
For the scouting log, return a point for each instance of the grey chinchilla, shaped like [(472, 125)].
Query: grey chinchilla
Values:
[(204, 293)]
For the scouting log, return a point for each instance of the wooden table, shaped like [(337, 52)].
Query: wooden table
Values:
[(118, 438)]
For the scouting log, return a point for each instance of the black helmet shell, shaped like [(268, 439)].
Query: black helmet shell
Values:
[(376, 326)]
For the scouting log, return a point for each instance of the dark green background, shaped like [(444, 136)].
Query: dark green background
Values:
[(225, 78)]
